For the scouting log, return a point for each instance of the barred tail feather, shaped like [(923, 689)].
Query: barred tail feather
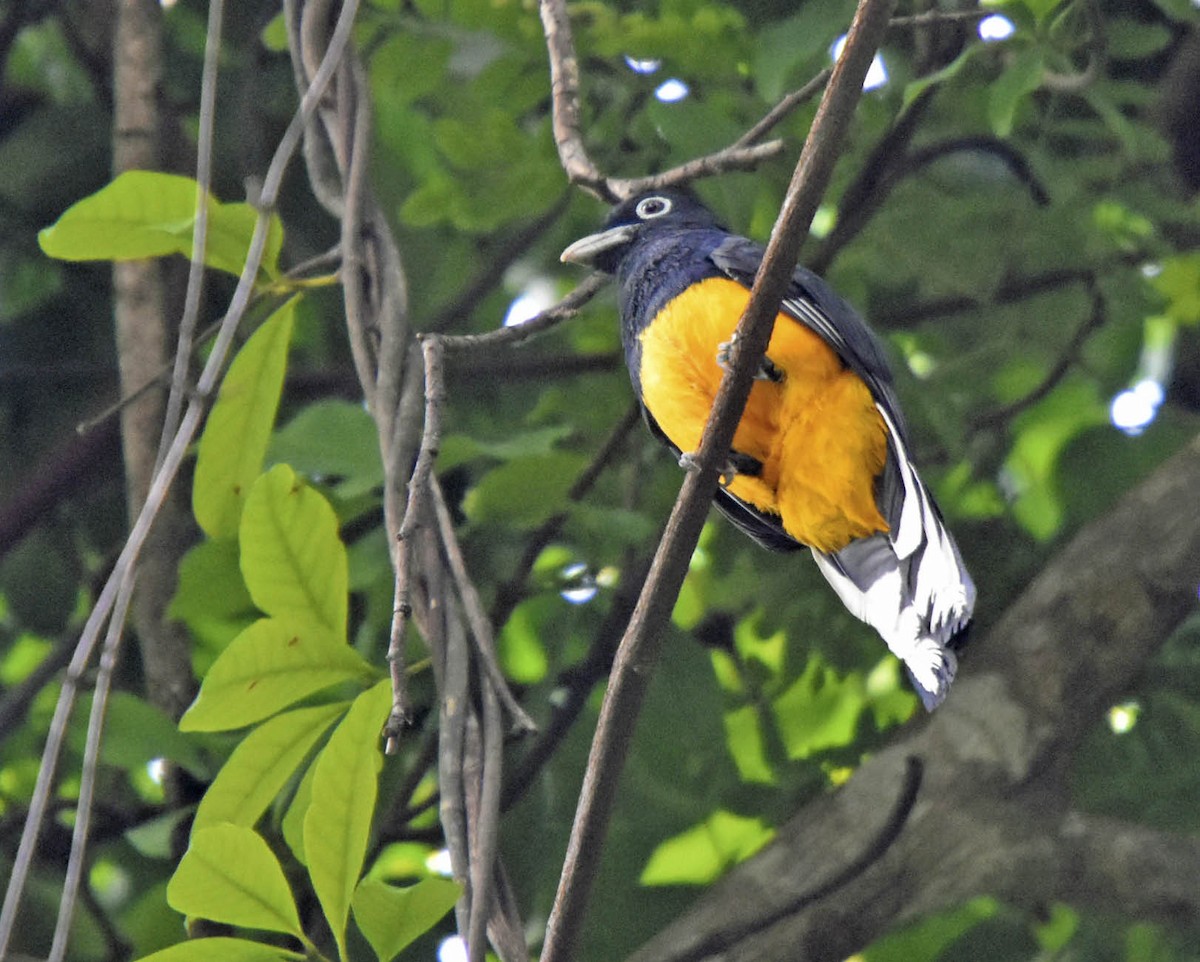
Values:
[(910, 585)]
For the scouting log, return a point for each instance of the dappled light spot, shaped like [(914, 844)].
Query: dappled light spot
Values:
[(156, 769), (647, 66), (439, 863), (1122, 718), (581, 585), (996, 27), (672, 91), (538, 295), (453, 949), (1133, 409), (877, 74)]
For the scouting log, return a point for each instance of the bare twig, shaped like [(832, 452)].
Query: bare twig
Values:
[(564, 90), (785, 106), (735, 157), (164, 478), (1094, 320), (639, 647), (477, 621), (519, 333), (195, 281), (568, 133), (418, 494)]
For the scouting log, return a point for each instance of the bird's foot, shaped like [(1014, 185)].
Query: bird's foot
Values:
[(737, 463), (767, 370)]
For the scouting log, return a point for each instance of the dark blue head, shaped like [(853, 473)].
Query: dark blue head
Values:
[(641, 216)]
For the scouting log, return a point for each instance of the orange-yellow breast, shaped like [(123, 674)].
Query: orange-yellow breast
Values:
[(817, 432)]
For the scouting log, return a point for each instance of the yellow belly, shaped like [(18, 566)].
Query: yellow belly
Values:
[(820, 439)]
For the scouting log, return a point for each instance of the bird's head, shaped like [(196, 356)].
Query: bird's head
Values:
[(632, 219)]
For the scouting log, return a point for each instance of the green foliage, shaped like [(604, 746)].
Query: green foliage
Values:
[(391, 917), (262, 764), (966, 254), (239, 425), (228, 874), (338, 821), (148, 214), (703, 853), (228, 950)]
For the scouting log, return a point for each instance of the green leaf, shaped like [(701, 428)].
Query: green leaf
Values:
[(819, 710), (525, 491), (272, 664), (211, 598), (332, 439), (293, 561), (456, 449), (705, 851), (224, 949), (1023, 76), (747, 745), (145, 213), (228, 874), (292, 825), (917, 87), (338, 820), (235, 437), (261, 765), (1179, 283), (392, 917), (135, 732)]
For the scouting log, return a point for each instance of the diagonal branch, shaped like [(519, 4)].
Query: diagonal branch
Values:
[(639, 648)]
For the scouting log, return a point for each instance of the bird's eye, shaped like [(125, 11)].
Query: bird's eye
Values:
[(652, 207)]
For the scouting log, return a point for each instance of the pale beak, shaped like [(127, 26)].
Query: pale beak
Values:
[(587, 249)]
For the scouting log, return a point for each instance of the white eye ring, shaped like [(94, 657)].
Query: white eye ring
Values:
[(652, 207)]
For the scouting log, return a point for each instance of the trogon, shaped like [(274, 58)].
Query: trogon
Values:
[(820, 458)]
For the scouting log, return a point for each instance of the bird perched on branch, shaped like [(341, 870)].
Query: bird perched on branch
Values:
[(820, 457)]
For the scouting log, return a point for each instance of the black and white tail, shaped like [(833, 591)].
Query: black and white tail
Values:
[(910, 584)]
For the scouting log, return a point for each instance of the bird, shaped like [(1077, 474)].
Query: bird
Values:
[(821, 456)]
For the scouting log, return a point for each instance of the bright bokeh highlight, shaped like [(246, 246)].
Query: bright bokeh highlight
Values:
[(672, 91), (1135, 408), (453, 949), (877, 74), (996, 27), (644, 67)]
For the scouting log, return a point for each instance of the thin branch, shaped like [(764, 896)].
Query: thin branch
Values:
[(1094, 320), (564, 91), (639, 648), (418, 495), (477, 620), (164, 477), (785, 106), (89, 773), (734, 157), (486, 822), (195, 281), (568, 133), (567, 308)]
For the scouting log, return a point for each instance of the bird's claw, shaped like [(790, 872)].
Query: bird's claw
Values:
[(767, 370)]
